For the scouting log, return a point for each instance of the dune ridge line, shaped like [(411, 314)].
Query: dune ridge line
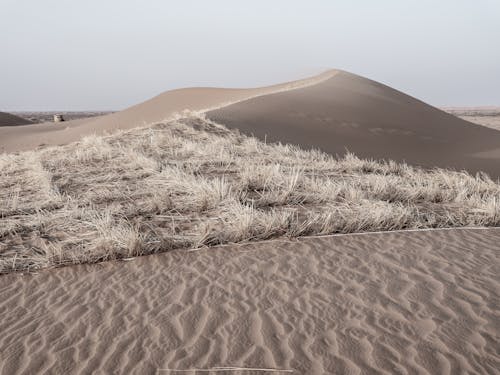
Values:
[(167, 105)]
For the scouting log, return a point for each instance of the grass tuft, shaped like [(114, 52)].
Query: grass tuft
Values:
[(190, 182)]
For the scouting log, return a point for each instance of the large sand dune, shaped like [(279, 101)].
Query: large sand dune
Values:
[(335, 111), (408, 302), (157, 109), (8, 119), (349, 112)]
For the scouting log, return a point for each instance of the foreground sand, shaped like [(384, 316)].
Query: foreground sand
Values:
[(411, 302)]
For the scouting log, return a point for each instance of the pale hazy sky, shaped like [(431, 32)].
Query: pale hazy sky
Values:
[(109, 54)]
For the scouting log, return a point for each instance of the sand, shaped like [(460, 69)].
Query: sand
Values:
[(8, 119), (400, 302), (335, 111), (486, 116), (488, 121), (407, 302), (157, 109), (349, 112)]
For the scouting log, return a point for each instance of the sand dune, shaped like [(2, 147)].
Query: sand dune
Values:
[(334, 111), (348, 112), (157, 109), (408, 302), (8, 119)]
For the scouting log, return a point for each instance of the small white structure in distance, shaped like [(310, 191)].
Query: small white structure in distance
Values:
[(58, 118)]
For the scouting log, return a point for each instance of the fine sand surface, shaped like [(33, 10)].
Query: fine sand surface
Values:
[(349, 112), (157, 109), (8, 119), (407, 302)]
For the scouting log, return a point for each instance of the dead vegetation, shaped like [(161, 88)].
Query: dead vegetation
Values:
[(190, 183)]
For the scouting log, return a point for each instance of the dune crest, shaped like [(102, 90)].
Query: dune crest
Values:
[(335, 112), (352, 113), (157, 109)]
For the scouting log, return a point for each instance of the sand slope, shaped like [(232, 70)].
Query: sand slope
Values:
[(413, 302), (8, 119), (349, 112), (157, 109), (334, 111)]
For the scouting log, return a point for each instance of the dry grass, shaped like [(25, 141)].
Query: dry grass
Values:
[(190, 183)]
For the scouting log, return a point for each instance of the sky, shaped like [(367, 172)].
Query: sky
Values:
[(110, 54)]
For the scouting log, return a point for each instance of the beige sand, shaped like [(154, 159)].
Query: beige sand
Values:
[(348, 112), (488, 121), (8, 119), (334, 111), (408, 302), (157, 109), (486, 116)]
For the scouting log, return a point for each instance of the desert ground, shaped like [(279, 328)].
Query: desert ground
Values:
[(408, 302), (331, 225), (37, 117), (486, 116)]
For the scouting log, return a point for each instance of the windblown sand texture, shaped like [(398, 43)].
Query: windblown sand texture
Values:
[(8, 119), (408, 302), (350, 113)]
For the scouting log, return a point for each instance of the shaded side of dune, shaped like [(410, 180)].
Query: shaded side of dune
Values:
[(351, 113), (411, 302), (8, 119)]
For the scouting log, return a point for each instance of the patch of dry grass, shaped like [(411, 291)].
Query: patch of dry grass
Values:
[(190, 183)]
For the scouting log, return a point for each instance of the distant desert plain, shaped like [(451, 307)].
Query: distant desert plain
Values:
[(331, 225)]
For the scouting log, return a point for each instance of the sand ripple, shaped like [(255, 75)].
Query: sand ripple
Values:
[(408, 303)]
